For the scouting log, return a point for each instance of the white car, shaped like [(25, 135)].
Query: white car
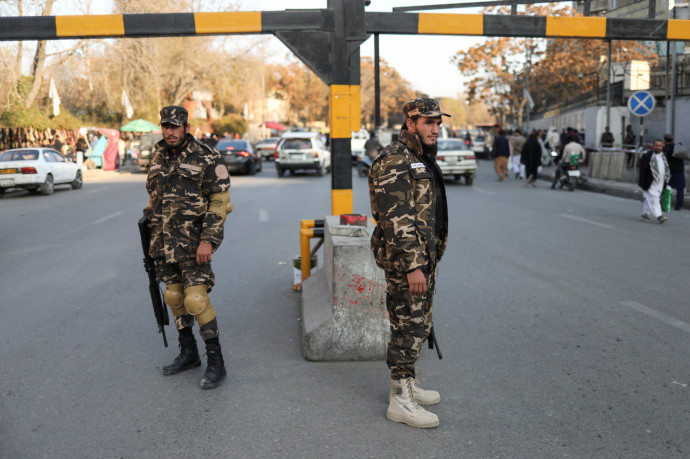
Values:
[(302, 151), (357, 142), (454, 158), (37, 169)]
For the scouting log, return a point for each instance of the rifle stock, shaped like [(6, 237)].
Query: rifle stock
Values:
[(159, 309)]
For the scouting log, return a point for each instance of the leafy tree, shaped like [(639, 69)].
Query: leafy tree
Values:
[(502, 68), (230, 124), (306, 94), (395, 91)]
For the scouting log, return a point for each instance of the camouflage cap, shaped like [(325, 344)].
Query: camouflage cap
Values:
[(424, 106), (174, 114)]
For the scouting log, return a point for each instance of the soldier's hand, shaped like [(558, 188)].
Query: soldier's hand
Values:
[(417, 282), (203, 253)]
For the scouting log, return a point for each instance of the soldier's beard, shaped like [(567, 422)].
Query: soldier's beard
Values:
[(181, 142), (430, 150)]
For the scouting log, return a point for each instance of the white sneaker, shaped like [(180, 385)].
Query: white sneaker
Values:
[(403, 407)]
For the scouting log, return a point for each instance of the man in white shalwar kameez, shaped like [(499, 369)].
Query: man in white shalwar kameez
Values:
[(654, 174)]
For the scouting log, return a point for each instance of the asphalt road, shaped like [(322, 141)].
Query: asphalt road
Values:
[(563, 320)]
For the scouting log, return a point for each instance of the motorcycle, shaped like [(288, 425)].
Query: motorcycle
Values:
[(571, 175)]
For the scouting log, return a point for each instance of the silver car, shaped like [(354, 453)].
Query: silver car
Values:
[(454, 158), (302, 151), (37, 169)]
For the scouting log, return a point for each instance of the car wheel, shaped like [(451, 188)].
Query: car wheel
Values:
[(251, 168), (571, 186), (48, 187), (2, 192), (261, 165), (321, 171), (457, 177), (281, 172), (469, 179), (78, 182)]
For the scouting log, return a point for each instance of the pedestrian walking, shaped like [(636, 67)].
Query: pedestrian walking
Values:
[(518, 144), (188, 184), (677, 169), (500, 153), (408, 202), (654, 174), (531, 159)]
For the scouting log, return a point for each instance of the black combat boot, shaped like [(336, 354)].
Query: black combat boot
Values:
[(215, 372), (189, 355)]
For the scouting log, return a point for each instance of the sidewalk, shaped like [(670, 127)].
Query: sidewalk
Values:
[(129, 170), (620, 189)]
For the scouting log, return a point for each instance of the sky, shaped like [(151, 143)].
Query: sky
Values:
[(422, 60)]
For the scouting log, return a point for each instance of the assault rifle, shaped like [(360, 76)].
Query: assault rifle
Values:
[(159, 309), (433, 343)]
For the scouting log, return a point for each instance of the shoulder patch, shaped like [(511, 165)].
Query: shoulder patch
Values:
[(417, 165)]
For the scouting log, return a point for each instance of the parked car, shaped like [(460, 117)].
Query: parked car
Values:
[(239, 156), (481, 146), (454, 158), (37, 169), (145, 149), (357, 141), (266, 147), (302, 151)]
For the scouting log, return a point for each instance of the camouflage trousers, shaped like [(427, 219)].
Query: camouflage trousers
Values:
[(188, 273), (410, 318)]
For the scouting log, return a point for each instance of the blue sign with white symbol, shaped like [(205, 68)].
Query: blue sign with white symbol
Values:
[(641, 103)]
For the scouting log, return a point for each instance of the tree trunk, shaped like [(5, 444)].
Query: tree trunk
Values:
[(20, 46), (39, 61)]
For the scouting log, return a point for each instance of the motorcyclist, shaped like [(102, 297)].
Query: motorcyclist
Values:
[(573, 147)]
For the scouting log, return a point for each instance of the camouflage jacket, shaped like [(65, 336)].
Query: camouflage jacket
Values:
[(180, 191), (403, 193)]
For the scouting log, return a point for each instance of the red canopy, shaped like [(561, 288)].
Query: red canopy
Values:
[(273, 125)]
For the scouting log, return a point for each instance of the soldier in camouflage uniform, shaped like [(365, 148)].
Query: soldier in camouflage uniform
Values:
[(408, 202), (189, 189)]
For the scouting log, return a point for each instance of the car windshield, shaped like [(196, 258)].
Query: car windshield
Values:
[(231, 145), (261, 143), (19, 155), (480, 138), (451, 144), (296, 144)]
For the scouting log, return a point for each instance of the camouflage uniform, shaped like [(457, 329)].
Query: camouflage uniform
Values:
[(405, 187), (180, 219)]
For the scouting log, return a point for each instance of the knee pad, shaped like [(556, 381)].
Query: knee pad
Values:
[(198, 304), (174, 298)]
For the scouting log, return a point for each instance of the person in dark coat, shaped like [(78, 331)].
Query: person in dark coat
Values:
[(531, 158), (500, 154), (677, 168)]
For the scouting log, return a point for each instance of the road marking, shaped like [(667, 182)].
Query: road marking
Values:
[(263, 215), (573, 217), (95, 190), (101, 220), (657, 315), (481, 190)]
